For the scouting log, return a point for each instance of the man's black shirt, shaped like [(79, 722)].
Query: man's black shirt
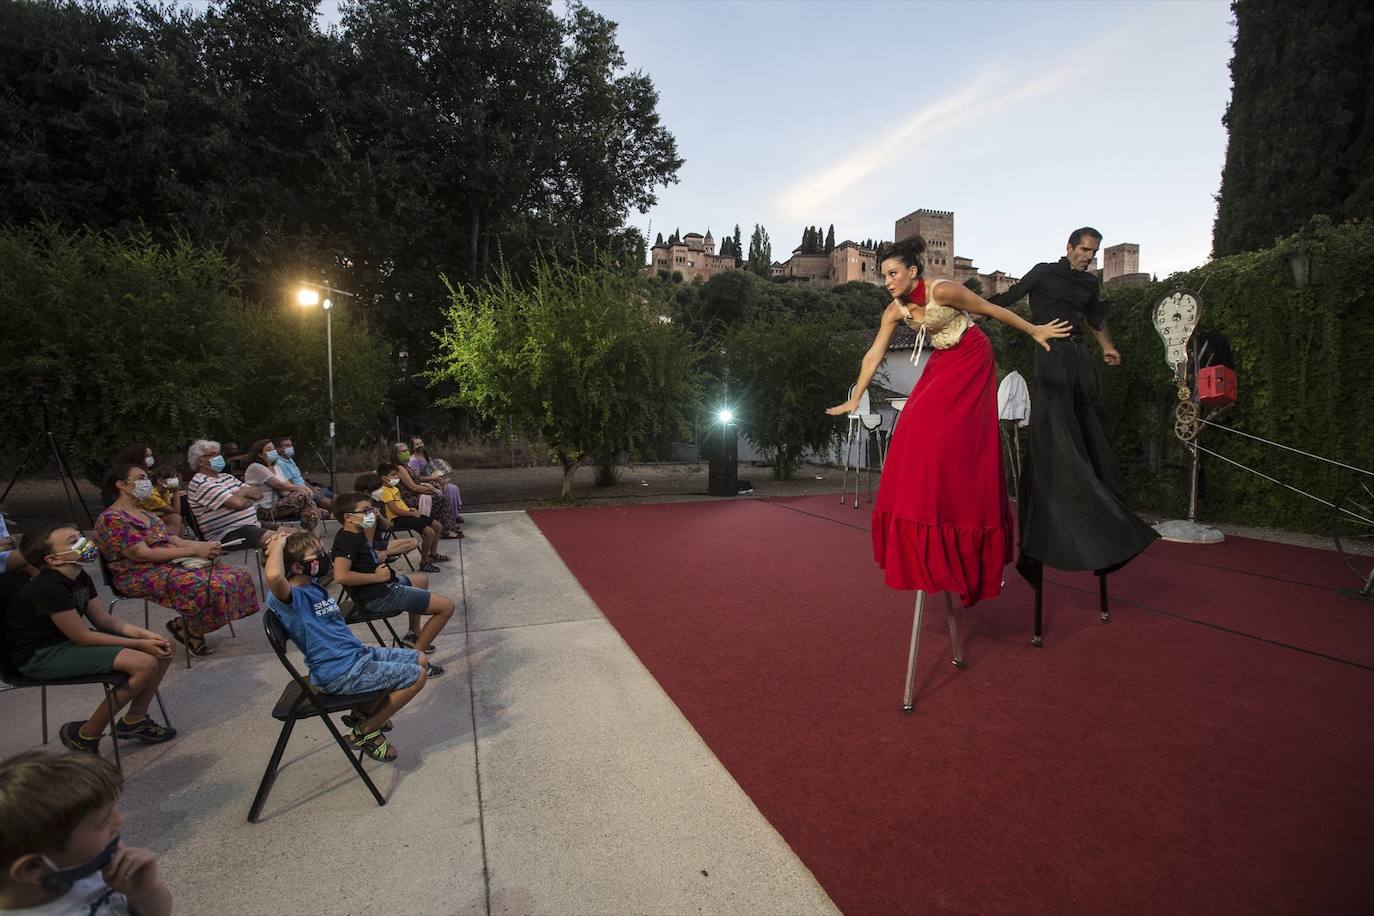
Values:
[(1057, 291)]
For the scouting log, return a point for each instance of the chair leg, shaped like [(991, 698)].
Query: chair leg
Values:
[(257, 558), (378, 636), (1104, 611), (356, 761), (109, 703), (270, 775), (395, 637), (145, 614), (166, 719), (43, 693), (915, 646)]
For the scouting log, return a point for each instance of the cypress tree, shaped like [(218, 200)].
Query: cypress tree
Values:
[(1300, 123)]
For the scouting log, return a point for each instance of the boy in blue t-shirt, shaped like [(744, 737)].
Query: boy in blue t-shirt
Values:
[(338, 661)]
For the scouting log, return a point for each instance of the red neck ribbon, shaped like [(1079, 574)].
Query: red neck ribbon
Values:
[(918, 292)]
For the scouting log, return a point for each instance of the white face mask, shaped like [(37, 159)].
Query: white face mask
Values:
[(270, 455), (143, 488), (377, 494), (148, 461), (172, 483)]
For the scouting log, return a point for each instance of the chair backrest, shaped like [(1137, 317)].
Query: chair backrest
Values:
[(189, 517), (8, 671), (278, 636)]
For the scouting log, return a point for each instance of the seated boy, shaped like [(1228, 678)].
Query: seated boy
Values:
[(339, 663), (404, 518), (48, 630), (60, 850), (375, 584)]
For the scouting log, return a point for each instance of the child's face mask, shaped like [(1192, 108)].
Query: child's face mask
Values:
[(62, 879)]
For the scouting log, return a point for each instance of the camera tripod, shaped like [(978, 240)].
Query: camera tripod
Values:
[(64, 470)]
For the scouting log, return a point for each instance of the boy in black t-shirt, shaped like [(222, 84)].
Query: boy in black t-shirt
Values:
[(49, 635), (366, 575)]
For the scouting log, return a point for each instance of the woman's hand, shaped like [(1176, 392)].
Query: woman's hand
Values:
[(207, 550), (840, 410), (1044, 333)]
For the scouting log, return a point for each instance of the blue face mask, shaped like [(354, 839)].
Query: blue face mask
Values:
[(62, 879), (290, 451), (271, 456), (217, 463)]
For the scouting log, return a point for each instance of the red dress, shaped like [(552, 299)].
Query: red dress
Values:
[(942, 521)]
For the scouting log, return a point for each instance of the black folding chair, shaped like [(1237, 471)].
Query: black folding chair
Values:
[(300, 701), (118, 595), (189, 516), (111, 682), (384, 537), (358, 612)]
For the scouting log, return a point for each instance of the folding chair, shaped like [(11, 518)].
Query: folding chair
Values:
[(118, 595), (359, 613), (194, 527), (385, 535), (111, 682), (300, 701)]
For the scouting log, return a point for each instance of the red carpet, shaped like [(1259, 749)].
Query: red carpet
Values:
[(1158, 764)]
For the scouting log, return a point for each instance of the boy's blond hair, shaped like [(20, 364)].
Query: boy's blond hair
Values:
[(297, 545), (45, 796)]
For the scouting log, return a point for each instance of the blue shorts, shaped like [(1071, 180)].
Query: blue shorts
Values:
[(400, 596), (379, 669)]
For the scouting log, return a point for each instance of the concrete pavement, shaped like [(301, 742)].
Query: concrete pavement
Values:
[(545, 772)]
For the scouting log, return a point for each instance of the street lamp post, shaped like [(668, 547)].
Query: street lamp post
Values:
[(309, 295)]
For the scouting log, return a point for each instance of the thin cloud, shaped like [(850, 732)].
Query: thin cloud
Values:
[(973, 102)]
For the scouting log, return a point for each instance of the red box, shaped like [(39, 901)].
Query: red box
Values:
[(1216, 386)]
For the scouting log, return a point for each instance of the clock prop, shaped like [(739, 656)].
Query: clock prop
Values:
[(1175, 318)]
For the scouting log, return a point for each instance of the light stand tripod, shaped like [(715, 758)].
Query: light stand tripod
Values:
[(64, 471)]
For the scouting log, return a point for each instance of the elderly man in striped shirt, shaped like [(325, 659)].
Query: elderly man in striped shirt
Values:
[(225, 507)]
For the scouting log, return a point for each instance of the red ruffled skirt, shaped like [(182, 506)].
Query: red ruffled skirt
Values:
[(942, 521)]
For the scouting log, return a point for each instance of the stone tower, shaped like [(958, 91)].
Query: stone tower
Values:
[(937, 228)]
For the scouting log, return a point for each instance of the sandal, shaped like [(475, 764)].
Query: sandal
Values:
[(455, 533), (194, 643), (355, 718), (429, 568), (439, 558), (374, 745)]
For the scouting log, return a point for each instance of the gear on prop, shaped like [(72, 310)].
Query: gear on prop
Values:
[(1185, 415)]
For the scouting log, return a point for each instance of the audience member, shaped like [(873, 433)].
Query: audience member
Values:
[(281, 499), (404, 518), (147, 561), (225, 508), (338, 661), (61, 853), (288, 468), (435, 473), (371, 581), (140, 453), (10, 556), (57, 626), (440, 509)]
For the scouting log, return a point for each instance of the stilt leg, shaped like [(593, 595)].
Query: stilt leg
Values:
[(953, 631), (915, 644), (1104, 609), (1033, 571)]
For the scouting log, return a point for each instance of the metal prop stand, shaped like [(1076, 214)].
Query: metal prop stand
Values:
[(64, 471), (908, 700)]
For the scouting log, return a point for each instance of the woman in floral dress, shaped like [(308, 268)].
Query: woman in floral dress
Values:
[(142, 557)]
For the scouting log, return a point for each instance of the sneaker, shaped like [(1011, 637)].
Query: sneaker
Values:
[(72, 739), (145, 730), (408, 641), (434, 670)]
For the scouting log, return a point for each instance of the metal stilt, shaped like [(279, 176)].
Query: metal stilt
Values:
[(915, 645), (1038, 639), (954, 631), (1104, 609)]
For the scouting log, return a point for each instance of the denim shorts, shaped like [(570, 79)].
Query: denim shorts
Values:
[(400, 596), (380, 669)]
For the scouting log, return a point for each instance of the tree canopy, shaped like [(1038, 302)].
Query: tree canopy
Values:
[(1300, 122)]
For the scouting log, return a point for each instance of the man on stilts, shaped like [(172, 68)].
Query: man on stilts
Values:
[(1071, 512)]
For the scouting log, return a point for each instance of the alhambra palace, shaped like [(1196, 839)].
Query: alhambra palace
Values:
[(695, 257)]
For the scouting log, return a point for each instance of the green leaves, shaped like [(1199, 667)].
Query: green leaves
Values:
[(578, 357)]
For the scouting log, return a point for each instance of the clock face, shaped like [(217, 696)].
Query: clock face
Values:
[(1175, 318)]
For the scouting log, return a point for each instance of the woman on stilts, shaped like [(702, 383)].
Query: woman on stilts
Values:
[(942, 521)]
